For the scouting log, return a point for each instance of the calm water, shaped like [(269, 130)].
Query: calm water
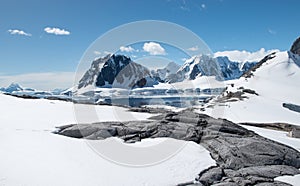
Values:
[(175, 101)]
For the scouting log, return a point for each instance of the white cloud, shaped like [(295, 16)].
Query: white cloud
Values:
[(243, 56), (106, 52), (56, 31), (203, 6), (127, 49), (42, 81), (18, 32), (154, 48), (193, 49), (97, 53), (101, 54)]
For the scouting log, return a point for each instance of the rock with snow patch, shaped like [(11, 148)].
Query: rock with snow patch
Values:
[(242, 156)]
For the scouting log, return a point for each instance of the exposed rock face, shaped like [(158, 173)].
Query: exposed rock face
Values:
[(204, 65), (242, 156), (294, 52), (90, 76), (249, 72), (116, 71), (233, 70), (295, 49)]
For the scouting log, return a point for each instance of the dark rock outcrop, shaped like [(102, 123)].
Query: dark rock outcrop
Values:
[(292, 107), (242, 156), (295, 49), (249, 72), (116, 71)]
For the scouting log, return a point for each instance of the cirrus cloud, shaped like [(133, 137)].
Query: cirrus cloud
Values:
[(193, 49), (154, 48), (18, 32), (56, 31)]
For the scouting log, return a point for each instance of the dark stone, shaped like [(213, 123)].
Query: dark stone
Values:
[(292, 107), (211, 176), (249, 91), (249, 72), (295, 49), (141, 83), (243, 157)]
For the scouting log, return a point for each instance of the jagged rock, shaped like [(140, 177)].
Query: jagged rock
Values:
[(210, 176), (249, 91), (295, 49), (261, 173), (116, 71), (243, 157), (249, 72)]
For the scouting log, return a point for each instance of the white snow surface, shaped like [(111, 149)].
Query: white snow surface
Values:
[(32, 155), (277, 81), (293, 180)]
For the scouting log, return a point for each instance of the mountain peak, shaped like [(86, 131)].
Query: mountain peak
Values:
[(116, 71), (294, 52), (13, 87)]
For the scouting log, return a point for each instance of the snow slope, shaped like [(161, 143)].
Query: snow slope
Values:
[(32, 155), (277, 81)]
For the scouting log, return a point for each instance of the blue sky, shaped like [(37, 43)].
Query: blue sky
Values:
[(223, 24)]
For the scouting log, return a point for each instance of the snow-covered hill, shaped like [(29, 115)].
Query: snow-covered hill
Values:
[(32, 155), (276, 82)]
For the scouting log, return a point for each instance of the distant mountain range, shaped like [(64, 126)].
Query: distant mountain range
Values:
[(120, 71), (18, 90)]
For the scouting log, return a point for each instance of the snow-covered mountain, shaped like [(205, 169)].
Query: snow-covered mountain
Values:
[(166, 73), (11, 88), (232, 69), (197, 66), (221, 67), (117, 71), (18, 90)]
